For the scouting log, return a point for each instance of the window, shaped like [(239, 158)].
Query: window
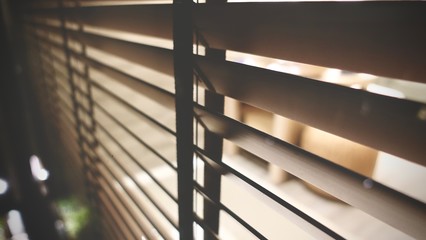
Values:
[(179, 109)]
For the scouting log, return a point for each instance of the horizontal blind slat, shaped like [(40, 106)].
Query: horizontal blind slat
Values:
[(152, 20), (407, 214), (139, 186), (292, 213), (370, 119), (133, 108), (143, 210), (163, 97), (135, 161), (134, 135), (381, 38), (155, 58), (235, 216)]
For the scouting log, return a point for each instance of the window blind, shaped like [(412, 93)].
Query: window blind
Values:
[(142, 89)]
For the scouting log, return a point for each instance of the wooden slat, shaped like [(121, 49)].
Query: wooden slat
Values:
[(381, 38), (152, 20), (115, 210), (113, 224), (137, 213), (155, 58), (160, 95), (150, 119), (388, 124), (140, 187), (290, 212), (386, 204)]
